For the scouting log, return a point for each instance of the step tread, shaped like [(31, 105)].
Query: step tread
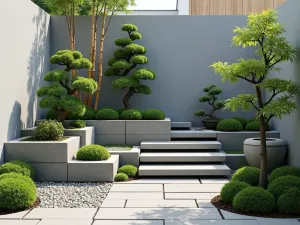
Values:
[(182, 154), (184, 167), (180, 145), (193, 134)]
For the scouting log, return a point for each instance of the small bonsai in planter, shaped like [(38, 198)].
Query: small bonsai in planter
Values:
[(211, 98)]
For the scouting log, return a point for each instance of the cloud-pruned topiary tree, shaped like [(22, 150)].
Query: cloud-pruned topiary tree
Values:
[(125, 60), (59, 94), (266, 34)]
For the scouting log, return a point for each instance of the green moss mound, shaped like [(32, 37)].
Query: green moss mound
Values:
[(16, 194), (19, 167), (49, 130), (129, 170), (230, 125), (121, 177), (254, 200), (242, 120), (153, 114), (254, 126), (78, 124), (282, 184), (284, 171), (18, 177), (131, 114), (247, 174), (289, 202), (231, 189), (92, 153), (107, 114)]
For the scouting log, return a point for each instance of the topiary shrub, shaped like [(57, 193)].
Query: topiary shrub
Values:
[(78, 124), (92, 153), (120, 111), (19, 167), (254, 200), (18, 176), (247, 174), (153, 114), (16, 194), (282, 184), (289, 202), (230, 190), (129, 170), (88, 115), (52, 115), (230, 125), (107, 114), (284, 171), (49, 130), (254, 126), (131, 114), (242, 120), (121, 177)]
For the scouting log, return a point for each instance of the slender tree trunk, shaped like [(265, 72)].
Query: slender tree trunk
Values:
[(126, 98), (62, 116), (100, 60)]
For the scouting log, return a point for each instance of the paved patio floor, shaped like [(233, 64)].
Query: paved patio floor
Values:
[(147, 202)]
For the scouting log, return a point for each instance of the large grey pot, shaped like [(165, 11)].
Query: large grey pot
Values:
[(276, 151)]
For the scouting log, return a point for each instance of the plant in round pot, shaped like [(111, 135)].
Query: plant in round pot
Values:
[(267, 35), (211, 120)]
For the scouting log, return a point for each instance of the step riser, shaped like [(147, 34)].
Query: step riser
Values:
[(183, 125), (185, 173), (182, 145), (182, 159)]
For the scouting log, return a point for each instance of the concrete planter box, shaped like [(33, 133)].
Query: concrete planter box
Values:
[(235, 161), (86, 134), (128, 157), (235, 140), (93, 171)]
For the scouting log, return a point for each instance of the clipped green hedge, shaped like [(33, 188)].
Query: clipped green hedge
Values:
[(247, 174), (121, 177), (92, 152), (49, 130), (129, 170), (289, 202), (230, 125), (231, 189), (19, 167), (153, 114), (107, 114), (242, 120), (282, 184), (131, 114), (18, 176), (254, 126), (284, 171)]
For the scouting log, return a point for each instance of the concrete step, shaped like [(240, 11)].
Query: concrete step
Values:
[(182, 157), (184, 170), (181, 125), (193, 134), (175, 145)]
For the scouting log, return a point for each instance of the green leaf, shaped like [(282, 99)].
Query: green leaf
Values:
[(49, 102), (85, 84), (242, 101), (144, 89), (199, 112), (111, 72), (279, 85), (71, 104), (136, 36), (57, 91), (205, 98), (121, 65), (144, 74), (121, 54), (139, 59), (123, 41), (56, 75), (135, 49), (129, 27), (125, 82)]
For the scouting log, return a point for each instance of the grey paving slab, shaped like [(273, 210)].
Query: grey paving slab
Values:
[(211, 222), (18, 215), (193, 187), (137, 188), (165, 181), (135, 195), (214, 181), (128, 222), (158, 213), (233, 216), (187, 196), (108, 203), (61, 213), (19, 222), (265, 221), (161, 204), (205, 203), (66, 222)]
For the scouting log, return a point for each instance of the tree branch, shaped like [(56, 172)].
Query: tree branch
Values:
[(272, 97), (106, 29)]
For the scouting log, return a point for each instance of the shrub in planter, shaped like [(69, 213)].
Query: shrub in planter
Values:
[(284, 171), (51, 115), (289, 202), (129, 170), (230, 125), (18, 176), (131, 114), (230, 190), (247, 174), (16, 194), (254, 126), (120, 111), (49, 130), (107, 114), (254, 200), (242, 120), (92, 153), (282, 184), (78, 124), (19, 167), (153, 114), (121, 177), (88, 115)]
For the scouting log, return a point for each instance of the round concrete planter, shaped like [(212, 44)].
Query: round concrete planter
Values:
[(276, 149), (211, 123)]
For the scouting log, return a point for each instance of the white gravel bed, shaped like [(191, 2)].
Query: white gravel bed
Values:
[(72, 195), (118, 148)]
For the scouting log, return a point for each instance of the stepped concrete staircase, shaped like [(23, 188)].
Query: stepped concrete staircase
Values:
[(192, 152)]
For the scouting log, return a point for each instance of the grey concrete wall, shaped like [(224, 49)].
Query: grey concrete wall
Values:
[(289, 126), (180, 51), (24, 57)]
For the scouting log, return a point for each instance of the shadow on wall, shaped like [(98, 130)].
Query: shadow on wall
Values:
[(38, 64)]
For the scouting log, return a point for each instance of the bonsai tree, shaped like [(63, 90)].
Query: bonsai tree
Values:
[(211, 98), (266, 34), (59, 94), (125, 60)]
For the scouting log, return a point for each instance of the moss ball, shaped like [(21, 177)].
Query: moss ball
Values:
[(78, 124), (92, 153), (131, 114), (247, 174), (107, 114), (19, 167), (242, 120), (284, 171), (254, 200), (230, 125), (153, 114), (49, 130), (230, 190), (121, 177), (289, 202), (129, 170), (282, 184)]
